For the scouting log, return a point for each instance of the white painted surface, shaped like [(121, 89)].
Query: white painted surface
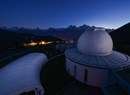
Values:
[(115, 60), (96, 77), (95, 42), (22, 75), (70, 67)]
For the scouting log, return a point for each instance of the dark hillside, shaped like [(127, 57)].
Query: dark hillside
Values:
[(121, 36)]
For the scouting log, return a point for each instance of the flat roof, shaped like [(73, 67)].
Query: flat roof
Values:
[(22, 74), (115, 60)]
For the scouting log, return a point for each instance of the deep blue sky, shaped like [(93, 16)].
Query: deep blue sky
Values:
[(62, 13)]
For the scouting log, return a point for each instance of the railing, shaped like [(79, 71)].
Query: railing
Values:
[(122, 82)]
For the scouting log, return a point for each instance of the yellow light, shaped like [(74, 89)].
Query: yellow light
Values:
[(32, 44), (49, 42), (36, 43), (42, 42)]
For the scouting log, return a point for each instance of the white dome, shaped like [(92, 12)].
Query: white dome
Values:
[(95, 42)]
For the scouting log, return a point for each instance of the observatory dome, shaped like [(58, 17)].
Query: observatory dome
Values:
[(95, 42), (93, 58)]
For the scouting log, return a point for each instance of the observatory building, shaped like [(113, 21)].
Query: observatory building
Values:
[(93, 59), (21, 77)]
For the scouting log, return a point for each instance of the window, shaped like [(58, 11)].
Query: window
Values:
[(74, 71), (85, 75)]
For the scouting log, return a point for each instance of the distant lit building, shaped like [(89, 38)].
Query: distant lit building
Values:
[(93, 59), (32, 43)]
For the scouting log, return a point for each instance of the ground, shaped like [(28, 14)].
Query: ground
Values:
[(54, 76), (56, 81)]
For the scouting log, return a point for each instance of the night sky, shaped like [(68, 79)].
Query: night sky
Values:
[(62, 13)]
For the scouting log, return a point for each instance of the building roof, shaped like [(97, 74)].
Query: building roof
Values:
[(115, 60), (22, 74), (95, 42)]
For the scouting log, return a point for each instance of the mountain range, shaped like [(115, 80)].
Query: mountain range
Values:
[(120, 36), (10, 39), (71, 32)]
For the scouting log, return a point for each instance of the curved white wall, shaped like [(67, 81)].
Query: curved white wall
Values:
[(96, 77), (22, 75)]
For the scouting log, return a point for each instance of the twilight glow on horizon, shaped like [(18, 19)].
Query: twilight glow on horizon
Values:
[(62, 13)]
